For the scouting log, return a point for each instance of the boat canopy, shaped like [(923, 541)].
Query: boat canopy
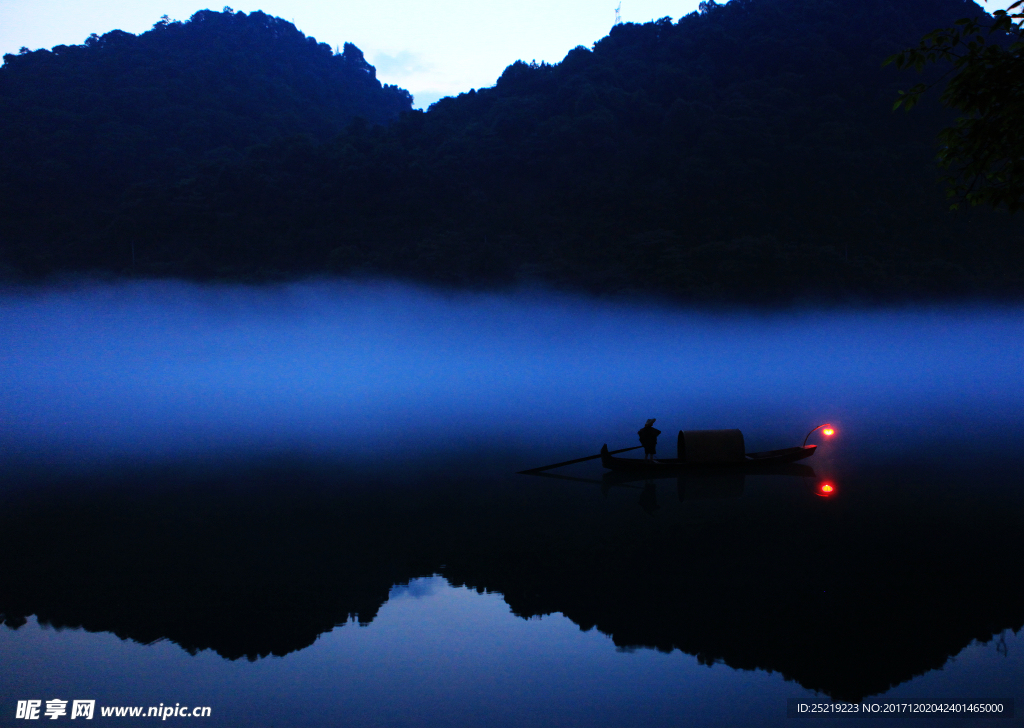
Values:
[(711, 447)]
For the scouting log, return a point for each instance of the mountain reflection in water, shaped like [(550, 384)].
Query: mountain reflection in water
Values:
[(848, 596), (276, 528)]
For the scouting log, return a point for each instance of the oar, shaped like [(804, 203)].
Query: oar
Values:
[(531, 471)]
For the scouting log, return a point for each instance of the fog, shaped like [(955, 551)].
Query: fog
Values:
[(102, 374)]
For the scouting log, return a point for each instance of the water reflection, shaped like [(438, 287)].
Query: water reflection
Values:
[(649, 498), (700, 484), (711, 485), (268, 465), (733, 570)]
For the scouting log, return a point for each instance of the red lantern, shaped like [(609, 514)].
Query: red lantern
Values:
[(826, 429)]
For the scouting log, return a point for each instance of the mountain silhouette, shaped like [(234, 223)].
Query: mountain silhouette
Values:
[(747, 151), (79, 125)]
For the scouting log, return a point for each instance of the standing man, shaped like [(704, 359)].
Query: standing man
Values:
[(649, 439)]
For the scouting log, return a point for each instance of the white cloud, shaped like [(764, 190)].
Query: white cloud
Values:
[(403, 63)]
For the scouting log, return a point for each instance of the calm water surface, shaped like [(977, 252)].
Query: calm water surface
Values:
[(297, 506)]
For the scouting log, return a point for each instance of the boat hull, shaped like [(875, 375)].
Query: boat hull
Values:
[(751, 462)]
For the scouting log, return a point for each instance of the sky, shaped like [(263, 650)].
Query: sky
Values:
[(433, 49)]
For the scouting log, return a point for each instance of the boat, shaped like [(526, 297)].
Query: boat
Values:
[(751, 461), (708, 449)]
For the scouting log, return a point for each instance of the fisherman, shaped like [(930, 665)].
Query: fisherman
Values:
[(649, 439)]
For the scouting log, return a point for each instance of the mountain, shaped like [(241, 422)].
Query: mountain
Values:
[(747, 151), (81, 124)]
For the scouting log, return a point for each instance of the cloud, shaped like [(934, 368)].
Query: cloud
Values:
[(425, 586), (402, 63)]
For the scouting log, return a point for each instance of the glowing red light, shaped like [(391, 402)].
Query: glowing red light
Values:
[(825, 490), (828, 432)]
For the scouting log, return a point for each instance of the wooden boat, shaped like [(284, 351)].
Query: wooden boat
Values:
[(751, 461), (702, 449)]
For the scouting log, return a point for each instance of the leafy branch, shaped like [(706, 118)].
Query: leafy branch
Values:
[(984, 149)]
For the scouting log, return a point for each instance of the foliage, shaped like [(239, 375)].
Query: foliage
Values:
[(985, 148), (80, 124), (746, 151)]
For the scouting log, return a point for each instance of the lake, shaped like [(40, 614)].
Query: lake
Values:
[(297, 506)]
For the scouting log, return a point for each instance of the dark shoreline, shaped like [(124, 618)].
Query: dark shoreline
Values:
[(27, 287)]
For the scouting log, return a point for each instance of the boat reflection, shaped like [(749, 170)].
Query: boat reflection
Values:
[(690, 485), (706, 484), (649, 498)]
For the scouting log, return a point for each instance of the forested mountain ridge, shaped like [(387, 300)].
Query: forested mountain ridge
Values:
[(748, 150), (80, 124)]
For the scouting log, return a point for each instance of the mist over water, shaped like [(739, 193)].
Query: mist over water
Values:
[(354, 446), (360, 372)]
